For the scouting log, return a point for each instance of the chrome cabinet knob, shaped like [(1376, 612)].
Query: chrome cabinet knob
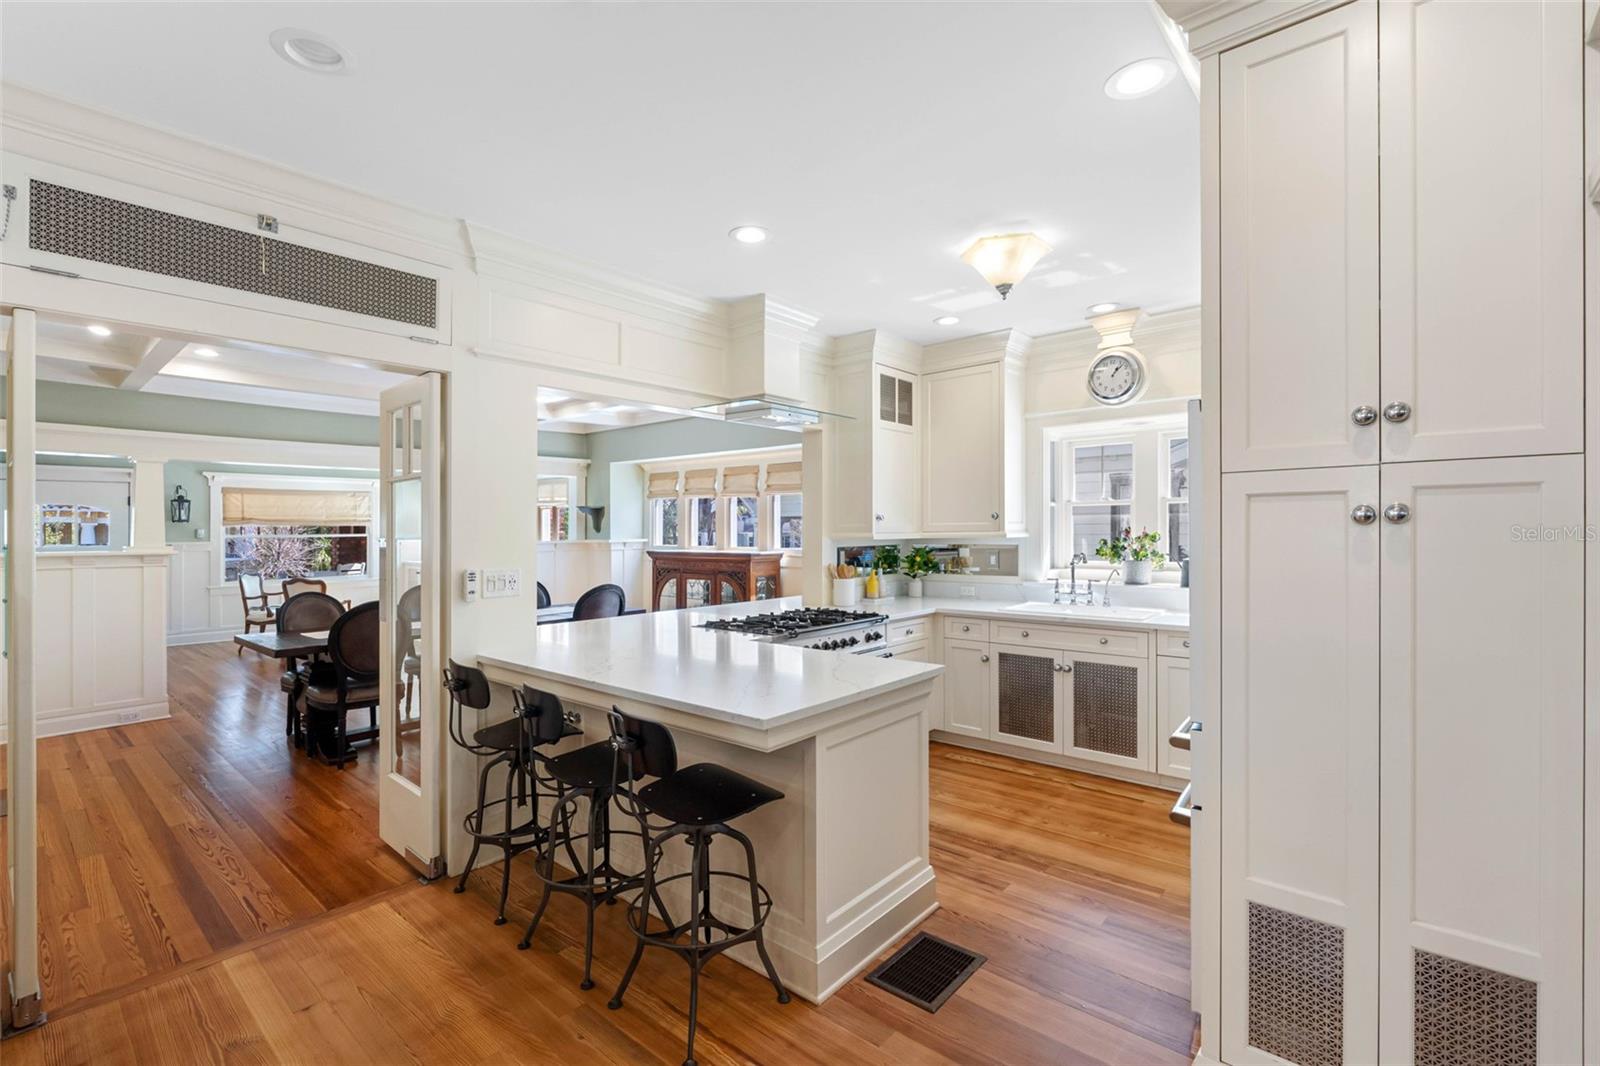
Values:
[(1024, 632), (1363, 514), (966, 629), (1105, 640), (983, 659), (879, 517), (994, 516), (1364, 415), (1396, 513), (1397, 412), (1186, 644), (1063, 668)]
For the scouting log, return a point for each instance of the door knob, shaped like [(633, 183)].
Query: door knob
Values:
[(1397, 412), (1364, 415), (1396, 513), (1363, 514)]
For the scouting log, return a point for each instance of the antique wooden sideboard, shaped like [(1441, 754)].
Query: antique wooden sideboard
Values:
[(701, 578)]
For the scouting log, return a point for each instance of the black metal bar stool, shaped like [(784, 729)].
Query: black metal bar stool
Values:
[(699, 801), (600, 773), (510, 743)]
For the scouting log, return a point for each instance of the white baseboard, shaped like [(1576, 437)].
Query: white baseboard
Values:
[(200, 636), (1066, 762), (62, 723)]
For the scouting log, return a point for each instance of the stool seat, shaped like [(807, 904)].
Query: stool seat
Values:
[(705, 794), (593, 766), (506, 735)]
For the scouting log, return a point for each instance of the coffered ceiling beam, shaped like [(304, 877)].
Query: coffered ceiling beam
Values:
[(157, 354)]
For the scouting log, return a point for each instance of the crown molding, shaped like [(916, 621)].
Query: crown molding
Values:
[(49, 127), (1214, 26), (1009, 346), (761, 315), (1156, 336), (874, 346)]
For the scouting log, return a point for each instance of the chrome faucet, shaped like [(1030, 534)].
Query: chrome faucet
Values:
[(1072, 581), (1105, 593)]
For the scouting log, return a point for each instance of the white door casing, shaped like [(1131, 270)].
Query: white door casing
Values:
[(1300, 741), (410, 793), (1481, 107), (1299, 244), (1482, 785)]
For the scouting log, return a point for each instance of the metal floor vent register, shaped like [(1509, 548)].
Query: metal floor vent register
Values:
[(927, 971)]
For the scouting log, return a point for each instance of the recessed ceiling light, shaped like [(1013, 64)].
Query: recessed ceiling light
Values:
[(100, 331), (206, 353), (1140, 78), (1100, 309), (748, 234), (310, 51), (946, 320)]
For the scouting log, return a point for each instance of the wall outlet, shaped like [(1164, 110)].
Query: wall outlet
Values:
[(968, 592), (498, 583)]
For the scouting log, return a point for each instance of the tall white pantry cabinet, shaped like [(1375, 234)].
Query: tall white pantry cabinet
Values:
[(1390, 769)]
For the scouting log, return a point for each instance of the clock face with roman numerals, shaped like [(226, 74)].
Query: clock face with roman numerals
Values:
[(1115, 377)]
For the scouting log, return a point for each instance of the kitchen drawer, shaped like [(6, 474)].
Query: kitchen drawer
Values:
[(915, 652), (908, 631), (966, 629), (1172, 642), (1074, 638)]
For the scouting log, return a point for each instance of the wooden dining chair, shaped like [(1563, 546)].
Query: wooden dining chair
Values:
[(408, 612), (602, 601), (353, 681), (293, 586), (257, 600), (305, 612)]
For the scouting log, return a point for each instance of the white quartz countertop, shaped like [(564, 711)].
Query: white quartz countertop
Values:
[(666, 659), (906, 607)]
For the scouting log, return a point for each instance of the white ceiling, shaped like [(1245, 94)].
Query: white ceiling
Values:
[(567, 412), (874, 140)]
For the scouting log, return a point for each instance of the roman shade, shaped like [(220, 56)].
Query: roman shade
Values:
[(663, 485), (741, 480), (783, 477), (295, 507), (700, 482)]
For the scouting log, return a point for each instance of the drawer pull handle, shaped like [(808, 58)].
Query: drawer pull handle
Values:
[(1024, 634), (1180, 736), (966, 629), (1183, 811), (909, 632), (1105, 640)]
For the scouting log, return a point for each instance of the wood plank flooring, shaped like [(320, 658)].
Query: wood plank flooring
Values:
[(1075, 887), (163, 843)]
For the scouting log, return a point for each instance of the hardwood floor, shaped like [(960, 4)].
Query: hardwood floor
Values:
[(163, 843), (1075, 887)]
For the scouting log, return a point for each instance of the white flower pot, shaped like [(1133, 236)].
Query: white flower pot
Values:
[(914, 588), (1136, 572)]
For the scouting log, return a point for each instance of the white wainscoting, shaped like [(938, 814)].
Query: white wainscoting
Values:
[(100, 658), (204, 610), (569, 568)]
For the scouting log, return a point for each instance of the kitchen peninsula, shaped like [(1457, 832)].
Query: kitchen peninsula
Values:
[(843, 736)]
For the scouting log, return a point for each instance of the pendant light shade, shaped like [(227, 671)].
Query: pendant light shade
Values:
[(1004, 261)]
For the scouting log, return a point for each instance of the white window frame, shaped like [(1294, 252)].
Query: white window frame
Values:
[(1164, 455), (219, 480), (772, 517), (1149, 437), (656, 524), (572, 508), (688, 531)]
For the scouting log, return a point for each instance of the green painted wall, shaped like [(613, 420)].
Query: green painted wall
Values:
[(564, 445), (188, 474), (616, 481), (91, 406)]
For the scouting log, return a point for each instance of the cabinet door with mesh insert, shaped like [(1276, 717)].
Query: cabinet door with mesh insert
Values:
[(1026, 707), (1108, 710)]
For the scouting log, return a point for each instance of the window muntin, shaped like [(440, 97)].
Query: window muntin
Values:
[(1102, 488), (63, 526)]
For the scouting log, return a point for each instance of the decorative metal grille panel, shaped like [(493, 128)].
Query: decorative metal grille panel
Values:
[(1105, 708), (1027, 696), (1466, 1015), (86, 226), (1296, 1006)]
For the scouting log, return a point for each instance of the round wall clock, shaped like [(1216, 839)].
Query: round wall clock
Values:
[(1116, 376)]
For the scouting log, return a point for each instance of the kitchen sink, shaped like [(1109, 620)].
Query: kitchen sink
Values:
[(1068, 610)]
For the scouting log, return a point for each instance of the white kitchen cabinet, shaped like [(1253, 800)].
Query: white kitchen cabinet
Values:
[(1107, 707), (1299, 735), (1483, 726), (877, 484), (1481, 107), (1172, 713), (1299, 244), (1026, 696), (968, 672), (972, 463)]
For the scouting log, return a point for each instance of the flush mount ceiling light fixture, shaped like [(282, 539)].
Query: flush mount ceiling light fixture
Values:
[(946, 320), (1140, 78), (1100, 309), (309, 50), (100, 331), (1003, 261), (748, 234)]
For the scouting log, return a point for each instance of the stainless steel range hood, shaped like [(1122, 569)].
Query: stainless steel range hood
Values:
[(774, 412)]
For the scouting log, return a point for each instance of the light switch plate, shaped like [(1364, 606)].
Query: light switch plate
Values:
[(499, 583)]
